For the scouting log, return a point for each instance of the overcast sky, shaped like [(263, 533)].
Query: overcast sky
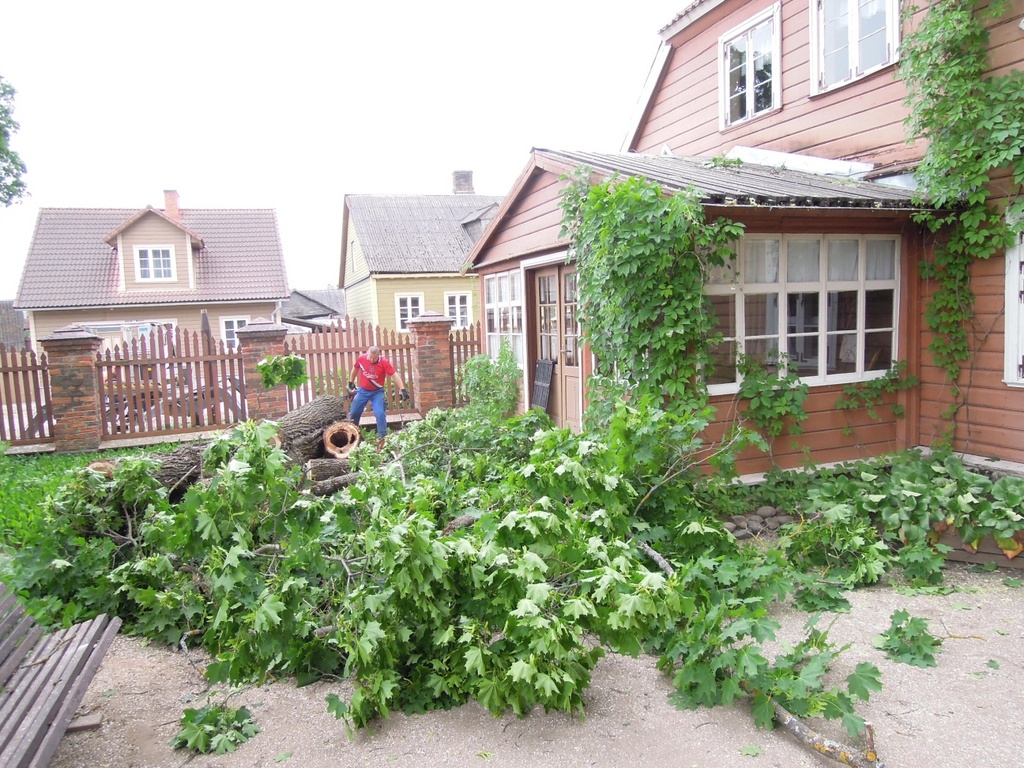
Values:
[(292, 105)]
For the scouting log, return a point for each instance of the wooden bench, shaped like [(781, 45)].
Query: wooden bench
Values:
[(43, 678)]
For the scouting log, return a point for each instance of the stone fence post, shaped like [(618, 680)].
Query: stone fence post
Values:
[(74, 388), (432, 372), (259, 340)]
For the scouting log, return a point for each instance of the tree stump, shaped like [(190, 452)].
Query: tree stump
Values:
[(341, 437)]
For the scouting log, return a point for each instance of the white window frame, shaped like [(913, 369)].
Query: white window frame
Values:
[(230, 335), (168, 275), (463, 316), (404, 314), (817, 37), (771, 16), (778, 327), (505, 313), (1013, 336)]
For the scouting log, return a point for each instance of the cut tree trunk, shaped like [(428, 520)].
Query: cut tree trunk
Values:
[(301, 431), (332, 485), (316, 470), (180, 468)]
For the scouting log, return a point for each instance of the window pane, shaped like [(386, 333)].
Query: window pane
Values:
[(842, 353), (492, 322), (515, 287), (723, 309), (836, 35), (842, 311), (490, 290), (722, 363), (761, 258), (873, 45), (803, 355), (879, 306), (763, 67), (842, 260), (880, 260), (878, 351), (762, 314), (803, 261), (737, 79), (765, 351)]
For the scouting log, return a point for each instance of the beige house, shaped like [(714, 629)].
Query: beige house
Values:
[(121, 272), (402, 255)]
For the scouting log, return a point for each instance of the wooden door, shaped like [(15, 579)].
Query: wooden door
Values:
[(558, 341)]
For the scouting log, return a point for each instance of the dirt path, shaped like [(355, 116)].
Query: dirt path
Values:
[(968, 711)]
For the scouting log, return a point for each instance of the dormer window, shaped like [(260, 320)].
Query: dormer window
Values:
[(154, 263)]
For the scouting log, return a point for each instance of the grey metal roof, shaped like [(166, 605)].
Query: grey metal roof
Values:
[(740, 184), (307, 304), (69, 264), (406, 234)]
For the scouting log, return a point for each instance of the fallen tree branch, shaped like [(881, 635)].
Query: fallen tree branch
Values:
[(833, 750), (332, 485)]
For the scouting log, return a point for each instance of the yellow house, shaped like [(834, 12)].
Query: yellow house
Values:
[(121, 272), (402, 255)]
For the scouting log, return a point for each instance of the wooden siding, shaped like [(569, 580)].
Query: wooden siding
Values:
[(151, 230), (828, 435), (531, 225), (432, 289), (684, 115), (360, 304), (356, 267)]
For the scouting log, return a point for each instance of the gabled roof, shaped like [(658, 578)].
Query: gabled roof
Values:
[(407, 234), (720, 183), (70, 264), (306, 304), (111, 238)]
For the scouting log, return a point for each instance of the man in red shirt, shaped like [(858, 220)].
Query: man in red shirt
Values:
[(371, 370)]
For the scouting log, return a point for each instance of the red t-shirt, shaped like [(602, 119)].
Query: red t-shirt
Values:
[(372, 375)]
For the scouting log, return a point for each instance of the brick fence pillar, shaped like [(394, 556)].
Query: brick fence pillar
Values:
[(432, 361), (259, 340), (74, 388)]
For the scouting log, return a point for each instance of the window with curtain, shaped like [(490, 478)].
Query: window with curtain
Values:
[(503, 313), (852, 38), (457, 307), (824, 304), (749, 56)]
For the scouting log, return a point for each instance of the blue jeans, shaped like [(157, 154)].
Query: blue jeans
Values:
[(376, 399)]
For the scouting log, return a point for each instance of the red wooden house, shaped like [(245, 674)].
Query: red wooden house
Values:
[(828, 263)]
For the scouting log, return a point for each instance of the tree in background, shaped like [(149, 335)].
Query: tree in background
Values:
[(12, 188)]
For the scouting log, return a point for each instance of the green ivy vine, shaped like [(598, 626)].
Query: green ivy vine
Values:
[(974, 126), (639, 249)]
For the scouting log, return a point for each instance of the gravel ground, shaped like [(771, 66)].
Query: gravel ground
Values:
[(966, 712)]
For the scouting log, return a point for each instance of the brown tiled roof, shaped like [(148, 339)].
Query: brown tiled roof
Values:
[(70, 265), (402, 234)]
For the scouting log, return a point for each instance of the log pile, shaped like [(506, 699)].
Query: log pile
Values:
[(303, 434)]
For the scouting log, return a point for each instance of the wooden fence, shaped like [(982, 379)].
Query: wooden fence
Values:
[(330, 355), (27, 418), (170, 382), (465, 344)]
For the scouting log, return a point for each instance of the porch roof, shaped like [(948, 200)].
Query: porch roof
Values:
[(737, 184)]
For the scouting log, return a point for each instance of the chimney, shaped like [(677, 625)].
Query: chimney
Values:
[(462, 182), (171, 209)]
